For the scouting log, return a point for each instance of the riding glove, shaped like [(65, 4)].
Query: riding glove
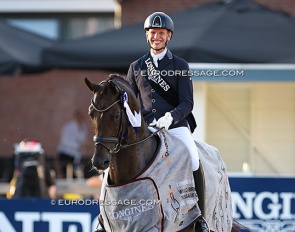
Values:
[(164, 121)]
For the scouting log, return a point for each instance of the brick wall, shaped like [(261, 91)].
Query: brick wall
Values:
[(137, 10), (287, 6), (36, 106)]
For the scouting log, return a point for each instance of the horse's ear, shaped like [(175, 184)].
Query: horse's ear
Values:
[(90, 85)]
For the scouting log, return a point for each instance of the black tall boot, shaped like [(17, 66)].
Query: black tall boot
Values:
[(200, 188), (201, 224)]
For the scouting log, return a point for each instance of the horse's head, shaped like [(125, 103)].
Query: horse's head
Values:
[(113, 128)]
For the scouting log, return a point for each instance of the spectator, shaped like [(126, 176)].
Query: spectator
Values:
[(72, 143)]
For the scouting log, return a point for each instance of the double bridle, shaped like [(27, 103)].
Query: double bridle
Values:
[(117, 141)]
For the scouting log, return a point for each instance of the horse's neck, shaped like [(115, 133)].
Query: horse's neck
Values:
[(128, 163)]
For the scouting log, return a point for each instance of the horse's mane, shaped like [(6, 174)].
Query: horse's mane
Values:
[(115, 76), (120, 79)]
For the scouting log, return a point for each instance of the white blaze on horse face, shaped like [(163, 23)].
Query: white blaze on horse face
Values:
[(134, 119)]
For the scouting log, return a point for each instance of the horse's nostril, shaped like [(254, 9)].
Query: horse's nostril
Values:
[(100, 164)]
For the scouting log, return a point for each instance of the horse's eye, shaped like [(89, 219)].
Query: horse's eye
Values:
[(117, 116)]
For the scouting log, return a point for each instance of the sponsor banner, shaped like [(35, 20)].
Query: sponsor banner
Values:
[(35, 215), (264, 204)]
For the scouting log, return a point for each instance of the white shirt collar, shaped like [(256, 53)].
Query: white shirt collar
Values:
[(159, 56)]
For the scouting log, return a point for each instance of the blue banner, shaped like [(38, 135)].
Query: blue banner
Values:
[(263, 204), (59, 215)]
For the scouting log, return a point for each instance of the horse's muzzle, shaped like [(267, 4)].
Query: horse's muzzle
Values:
[(100, 163)]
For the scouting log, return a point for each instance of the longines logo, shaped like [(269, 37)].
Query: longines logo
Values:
[(265, 211)]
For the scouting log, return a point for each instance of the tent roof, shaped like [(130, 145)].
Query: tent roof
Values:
[(239, 31), (20, 49), (235, 32)]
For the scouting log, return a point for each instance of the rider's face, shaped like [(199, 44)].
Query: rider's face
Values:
[(157, 37)]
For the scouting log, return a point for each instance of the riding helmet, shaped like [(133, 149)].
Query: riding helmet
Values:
[(159, 20)]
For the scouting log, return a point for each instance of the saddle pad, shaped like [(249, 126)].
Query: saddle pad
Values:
[(218, 192), (133, 209)]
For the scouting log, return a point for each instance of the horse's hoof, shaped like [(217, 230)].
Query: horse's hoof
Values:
[(201, 225)]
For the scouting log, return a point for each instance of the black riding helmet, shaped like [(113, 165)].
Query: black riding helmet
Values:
[(159, 20)]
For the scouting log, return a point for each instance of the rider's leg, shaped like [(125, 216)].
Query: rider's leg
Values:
[(184, 134), (200, 188)]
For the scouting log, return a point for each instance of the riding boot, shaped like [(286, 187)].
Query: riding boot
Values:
[(201, 225), (200, 188)]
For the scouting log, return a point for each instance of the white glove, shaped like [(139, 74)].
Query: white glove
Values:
[(164, 121)]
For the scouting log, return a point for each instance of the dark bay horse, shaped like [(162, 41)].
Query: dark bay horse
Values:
[(125, 146)]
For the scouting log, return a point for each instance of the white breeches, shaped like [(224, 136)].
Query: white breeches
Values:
[(184, 134)]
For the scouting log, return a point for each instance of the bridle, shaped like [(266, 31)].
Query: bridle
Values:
[(117, 141)]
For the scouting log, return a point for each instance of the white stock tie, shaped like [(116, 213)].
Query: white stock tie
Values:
[(156, 61)]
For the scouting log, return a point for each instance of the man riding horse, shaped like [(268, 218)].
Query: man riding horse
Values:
[(144, 163), (161, 81)]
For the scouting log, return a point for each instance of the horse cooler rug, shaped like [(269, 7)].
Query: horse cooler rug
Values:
[(162, 198)]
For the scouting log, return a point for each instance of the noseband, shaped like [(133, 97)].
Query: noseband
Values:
[(117, 141)]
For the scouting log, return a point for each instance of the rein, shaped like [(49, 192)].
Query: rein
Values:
[(101, 140)]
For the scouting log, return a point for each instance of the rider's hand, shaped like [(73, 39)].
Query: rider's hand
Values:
[(164, 121)]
